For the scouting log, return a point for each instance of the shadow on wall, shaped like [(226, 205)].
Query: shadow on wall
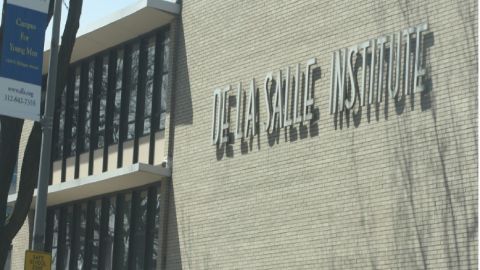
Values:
[(173, 258), (443, 211), (442, 206), (457, 217), (181, 97), (181, 253), (181, 92)]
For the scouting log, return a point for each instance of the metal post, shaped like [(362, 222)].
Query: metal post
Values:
[(47, 126)]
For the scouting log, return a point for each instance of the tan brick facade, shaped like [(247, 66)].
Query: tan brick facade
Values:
[(387, 186), (392, 186)]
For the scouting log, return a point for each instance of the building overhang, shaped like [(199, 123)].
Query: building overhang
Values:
[(123, 25), (128, 177)]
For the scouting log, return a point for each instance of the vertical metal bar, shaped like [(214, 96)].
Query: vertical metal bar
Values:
[(46, 149), (103, 232), (62, 237), (49, 231), (75, 236), (89, 234), (134, 223), (83, 94), (67, 130), (79, 134)]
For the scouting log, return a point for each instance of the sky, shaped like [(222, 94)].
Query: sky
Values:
[(93, 10)]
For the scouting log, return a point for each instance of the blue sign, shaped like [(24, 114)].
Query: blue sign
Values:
[(22, 52), (22, 58)]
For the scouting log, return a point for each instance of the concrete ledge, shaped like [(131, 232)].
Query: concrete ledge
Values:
[(123, 25), (120, 179)]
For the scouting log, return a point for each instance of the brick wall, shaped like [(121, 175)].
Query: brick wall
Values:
[(392, 186)]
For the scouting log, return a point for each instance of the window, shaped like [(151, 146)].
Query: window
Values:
[(117, 231), (104, 105), (122, 232), (88, 104), (13, 181), (165, 52), (133, 91), (138, 217), (107, 229), (81, 235), (51, 242), (147, 115), (75, 112), (59, 122), (118, 98)]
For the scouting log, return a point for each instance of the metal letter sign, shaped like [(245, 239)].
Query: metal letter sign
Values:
[(36, 260), (22, 57), (281, 112)]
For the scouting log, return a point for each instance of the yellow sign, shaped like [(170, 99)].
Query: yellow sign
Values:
[(37, 260)]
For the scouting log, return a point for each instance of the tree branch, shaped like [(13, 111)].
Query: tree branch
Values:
[(10, 132)]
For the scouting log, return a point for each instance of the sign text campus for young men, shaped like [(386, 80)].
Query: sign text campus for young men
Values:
[(22, 56), (342, 78)]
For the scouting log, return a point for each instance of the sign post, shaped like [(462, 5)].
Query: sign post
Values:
[(20, 93), (47, 126)]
